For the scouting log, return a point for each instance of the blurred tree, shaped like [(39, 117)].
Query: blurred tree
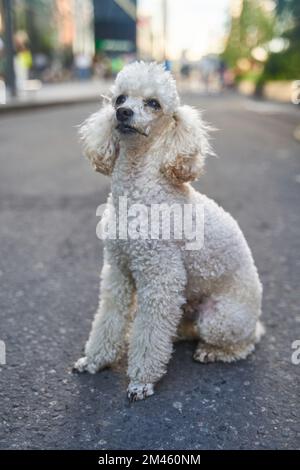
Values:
[(292, 6), (285, 64), (253, 26), (34, 17)]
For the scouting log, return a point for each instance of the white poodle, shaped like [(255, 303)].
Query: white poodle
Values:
[(152, 147)]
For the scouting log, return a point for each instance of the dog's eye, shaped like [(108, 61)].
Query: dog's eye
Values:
[(153, 103), (121, 99)]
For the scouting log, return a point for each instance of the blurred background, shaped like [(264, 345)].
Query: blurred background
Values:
[(239, 61), (251, 45)]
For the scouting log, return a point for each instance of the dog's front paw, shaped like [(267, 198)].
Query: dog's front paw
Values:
[(138, 391), (85, 364)]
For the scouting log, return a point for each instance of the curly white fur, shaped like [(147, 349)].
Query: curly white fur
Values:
[(148, 80), (157, 283)]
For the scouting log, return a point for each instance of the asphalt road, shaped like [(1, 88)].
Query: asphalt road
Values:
[(50, 259)]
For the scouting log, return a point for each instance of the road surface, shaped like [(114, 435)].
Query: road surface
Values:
[(50, 258)]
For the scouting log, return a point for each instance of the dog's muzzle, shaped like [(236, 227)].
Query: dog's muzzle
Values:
[(124, 116)]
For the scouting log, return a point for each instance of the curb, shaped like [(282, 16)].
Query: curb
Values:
[(29, 106)]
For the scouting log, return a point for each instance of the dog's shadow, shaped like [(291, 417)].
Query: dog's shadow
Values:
[(100, 415)]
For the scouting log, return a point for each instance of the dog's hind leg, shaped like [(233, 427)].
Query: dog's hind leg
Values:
[(228, 327)]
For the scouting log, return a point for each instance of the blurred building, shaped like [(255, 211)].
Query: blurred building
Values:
[(83, 41), (65, 22), (115, 26), (54, 26), (151, 34)]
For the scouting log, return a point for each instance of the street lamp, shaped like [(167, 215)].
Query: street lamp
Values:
[(165, 22), (10, 78)]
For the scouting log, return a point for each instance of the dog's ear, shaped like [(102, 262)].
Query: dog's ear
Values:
[(186, 146), (99, 139)]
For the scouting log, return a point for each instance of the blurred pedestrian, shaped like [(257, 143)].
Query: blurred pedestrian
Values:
[(207, 68), (117, 63), (22, 60), (168, 65), (2, 61), (2, 74), (83, 66), (41, 63), (221, 70)]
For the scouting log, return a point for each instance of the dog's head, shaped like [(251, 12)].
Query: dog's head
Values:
[(144, 98), (143, 111)]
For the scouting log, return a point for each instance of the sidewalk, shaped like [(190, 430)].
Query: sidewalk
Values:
[(58, 93), (44, 95)]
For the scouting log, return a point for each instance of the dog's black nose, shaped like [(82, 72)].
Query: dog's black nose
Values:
[(123, 114)]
